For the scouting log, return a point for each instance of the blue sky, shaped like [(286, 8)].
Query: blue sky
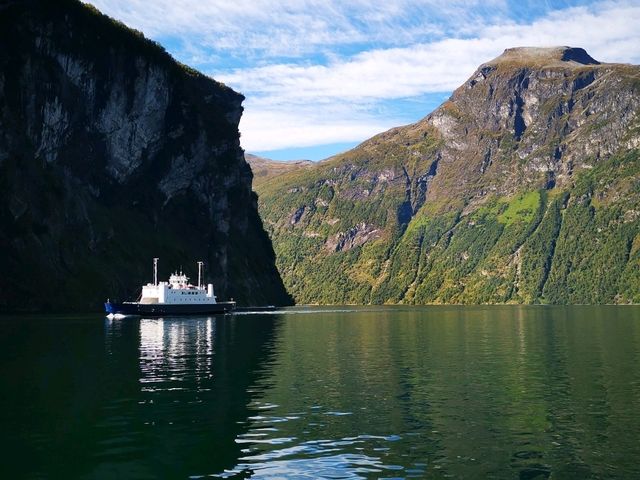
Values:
[(320, 76)]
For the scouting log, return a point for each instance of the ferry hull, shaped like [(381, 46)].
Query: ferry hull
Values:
[(160, 309)]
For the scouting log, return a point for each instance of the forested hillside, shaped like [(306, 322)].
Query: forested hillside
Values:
[(523, 187)]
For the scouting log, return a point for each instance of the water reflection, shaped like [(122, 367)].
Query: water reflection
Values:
[(476, 392), (135, 398), (193, 379), (513, 392), (176, 354)]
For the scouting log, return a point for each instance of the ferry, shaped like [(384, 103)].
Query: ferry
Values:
[(175, 297)]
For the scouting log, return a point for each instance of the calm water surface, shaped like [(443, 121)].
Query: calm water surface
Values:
[(434, 392)]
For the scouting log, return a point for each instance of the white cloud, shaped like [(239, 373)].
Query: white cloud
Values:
[(377, 74), (442, 65), (295, 27), (275, 129)]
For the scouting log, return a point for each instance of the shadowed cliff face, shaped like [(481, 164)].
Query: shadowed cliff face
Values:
[(522, 187), (112, 153)]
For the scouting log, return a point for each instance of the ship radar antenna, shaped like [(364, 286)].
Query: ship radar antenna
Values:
[(155, 271), (200, 274)]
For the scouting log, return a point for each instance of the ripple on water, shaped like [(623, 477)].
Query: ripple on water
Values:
[(269, 441), (316, 458), (338, 466)]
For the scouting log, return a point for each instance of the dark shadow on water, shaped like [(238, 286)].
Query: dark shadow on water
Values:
[(134, 398)]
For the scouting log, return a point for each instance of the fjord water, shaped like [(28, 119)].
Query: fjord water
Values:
[(428, 392)]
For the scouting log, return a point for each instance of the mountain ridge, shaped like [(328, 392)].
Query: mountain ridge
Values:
[(563, 56), (264, 169)]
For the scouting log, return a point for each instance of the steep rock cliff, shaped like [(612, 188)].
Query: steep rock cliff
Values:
[(522, 187), (112, 153)]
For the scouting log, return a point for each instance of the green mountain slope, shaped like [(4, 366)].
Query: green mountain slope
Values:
[(264, 169), (523, 187), (112, 153)]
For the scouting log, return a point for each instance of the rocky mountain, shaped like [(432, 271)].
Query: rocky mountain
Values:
[(523, 187), (112, 153), (264, 169)]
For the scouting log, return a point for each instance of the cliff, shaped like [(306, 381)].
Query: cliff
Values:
[(112, 153), (521, 188)]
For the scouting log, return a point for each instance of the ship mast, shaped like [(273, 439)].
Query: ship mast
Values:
[(155, 271), (199, 274)]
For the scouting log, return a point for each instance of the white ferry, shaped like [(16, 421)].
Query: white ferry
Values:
[(175, 297)]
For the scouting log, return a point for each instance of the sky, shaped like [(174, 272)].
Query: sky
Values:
[(321, 76)]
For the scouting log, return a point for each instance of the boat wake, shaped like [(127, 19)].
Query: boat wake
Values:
[(119, 316)]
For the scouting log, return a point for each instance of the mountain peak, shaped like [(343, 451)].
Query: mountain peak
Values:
[(544, 56)]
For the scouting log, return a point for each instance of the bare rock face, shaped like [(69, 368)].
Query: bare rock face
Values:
[(521, 187), (112, 153), (555, 110), (354, 237)]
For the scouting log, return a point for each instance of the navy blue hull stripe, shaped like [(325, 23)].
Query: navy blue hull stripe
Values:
[(164, 309)]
